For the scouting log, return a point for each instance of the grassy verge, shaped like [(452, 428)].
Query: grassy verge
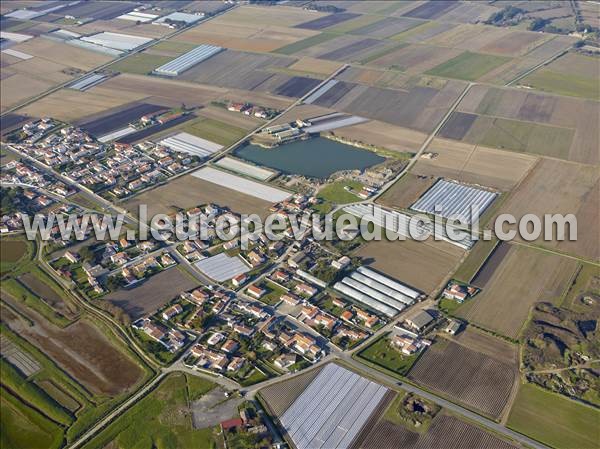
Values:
[(31, 394)]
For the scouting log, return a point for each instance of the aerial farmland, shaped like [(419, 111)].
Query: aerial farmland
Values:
[(142, 303)]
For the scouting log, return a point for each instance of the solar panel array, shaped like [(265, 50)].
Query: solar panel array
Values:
[(222, 267), (454, 200), (187, 143), (187, 60), (379, 292), (400, 223), (332, 410)]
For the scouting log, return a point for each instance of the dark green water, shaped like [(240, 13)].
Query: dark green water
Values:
[(317, 157)]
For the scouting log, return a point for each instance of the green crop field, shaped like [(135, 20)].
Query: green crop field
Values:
[(468, 66), (161, 419), (525, 137), (214, 130), (175, 47), (141, 63), (570, 84), (554, 420), (305, 43)]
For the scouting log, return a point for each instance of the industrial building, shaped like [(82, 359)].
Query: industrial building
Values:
[(187, 60), (450, 199), (332, 410)]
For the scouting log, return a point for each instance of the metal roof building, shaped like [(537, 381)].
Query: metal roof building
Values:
[(332, 410), (187, 60), (243, 168)]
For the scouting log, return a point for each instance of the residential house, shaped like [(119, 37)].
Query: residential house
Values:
[(255, 291), (284, 361), (172, 311)]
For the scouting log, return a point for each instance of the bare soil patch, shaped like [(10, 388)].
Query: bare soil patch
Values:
[(149, 295), (406, 191), (558, 187), (525, 276), (188, 191), (475, 164), (422, 265)]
